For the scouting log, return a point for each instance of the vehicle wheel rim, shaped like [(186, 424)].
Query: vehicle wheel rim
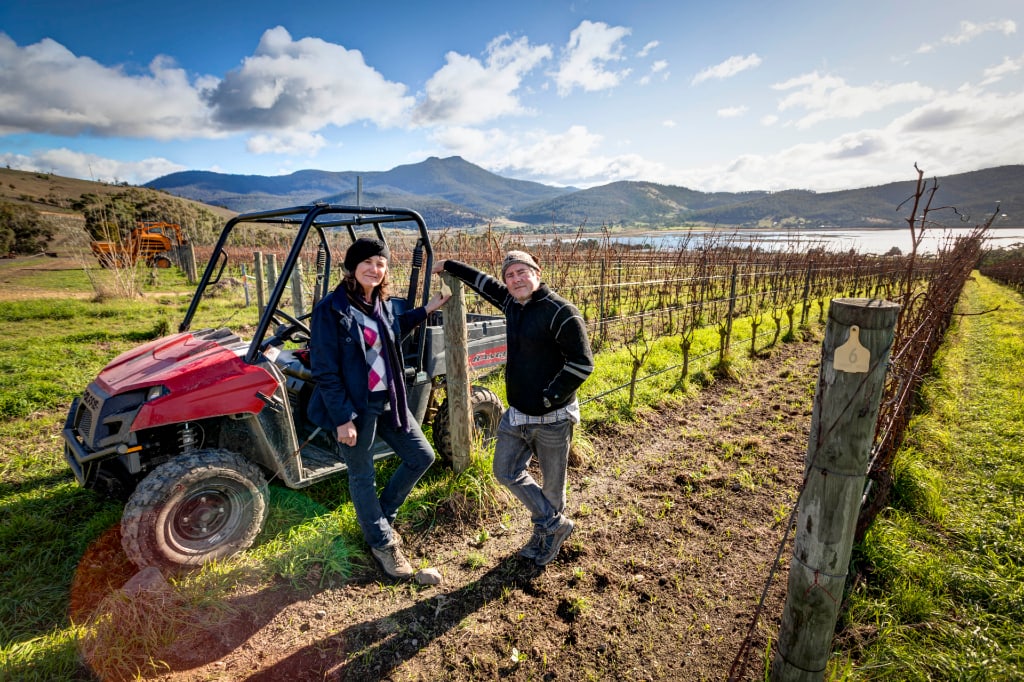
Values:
[(205, 514)]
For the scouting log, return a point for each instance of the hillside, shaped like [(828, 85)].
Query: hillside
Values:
[(63, 203), (454, 193), (448, 192)]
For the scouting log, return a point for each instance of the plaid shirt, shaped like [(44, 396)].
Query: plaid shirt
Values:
[(570, 412)]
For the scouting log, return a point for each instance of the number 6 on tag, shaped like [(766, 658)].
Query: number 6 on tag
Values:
[(852, 356)]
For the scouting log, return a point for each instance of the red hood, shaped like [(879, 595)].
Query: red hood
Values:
[(203, 377)]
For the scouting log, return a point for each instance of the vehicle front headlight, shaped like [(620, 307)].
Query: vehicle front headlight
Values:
[(155, 392)]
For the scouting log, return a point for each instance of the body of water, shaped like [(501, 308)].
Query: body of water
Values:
[(862, 240)]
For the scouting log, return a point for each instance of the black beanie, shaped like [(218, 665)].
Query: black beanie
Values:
[(362, 249)]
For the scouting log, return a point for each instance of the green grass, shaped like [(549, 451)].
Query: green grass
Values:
[(945, 592)]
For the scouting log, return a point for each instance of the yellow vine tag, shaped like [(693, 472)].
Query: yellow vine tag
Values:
[(852, 356)]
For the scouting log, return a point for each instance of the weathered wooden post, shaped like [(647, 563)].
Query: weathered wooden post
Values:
[(245, 285), (257, 272), (270, 265), (297, 302), (456, 354), (854, 359)]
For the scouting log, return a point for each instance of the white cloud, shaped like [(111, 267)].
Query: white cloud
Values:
[(1007, 67), (45, 88), (74, 164), (969, 31), (660, 66), (668, 123), (960, 132), (731, 112), (286, 85), (305, 85), (591, 46), (466, 91), (826, 97), (568, 158), (302, 143), (727, 69), (646, 49)]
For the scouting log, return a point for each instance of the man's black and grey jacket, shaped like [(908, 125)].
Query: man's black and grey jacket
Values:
[(548, 355)]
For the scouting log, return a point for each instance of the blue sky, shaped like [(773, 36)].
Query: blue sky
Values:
[(731, 95)]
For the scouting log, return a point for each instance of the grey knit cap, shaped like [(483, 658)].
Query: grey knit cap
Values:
[(513, 257)]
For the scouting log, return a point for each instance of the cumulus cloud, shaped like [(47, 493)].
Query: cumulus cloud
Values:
[(969, 31), (305, 85), (306, 144), (584, 60), (959, 132), (727, 69), (996, 73), (658, 67), (286, 90), (731, 112), (466, 91), (45, 88), (567, 158), (646, 49), (826, 97), (74, 164)]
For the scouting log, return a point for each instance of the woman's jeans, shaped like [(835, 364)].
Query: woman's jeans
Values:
[(376, 514), (514, 447)]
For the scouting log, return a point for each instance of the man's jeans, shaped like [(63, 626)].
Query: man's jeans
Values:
[(514, 447), (376, 514)]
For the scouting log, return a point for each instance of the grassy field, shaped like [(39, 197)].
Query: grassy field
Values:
[(943, 597)]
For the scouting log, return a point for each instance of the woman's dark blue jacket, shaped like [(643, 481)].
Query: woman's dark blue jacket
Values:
[(338, 358)]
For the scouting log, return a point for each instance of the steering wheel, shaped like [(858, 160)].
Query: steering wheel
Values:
[(289, 328)]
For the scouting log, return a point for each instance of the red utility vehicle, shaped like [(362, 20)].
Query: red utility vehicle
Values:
[(190, 427)]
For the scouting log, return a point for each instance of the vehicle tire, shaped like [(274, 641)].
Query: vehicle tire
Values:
[(486, 409), (162, 262), (205, 505)]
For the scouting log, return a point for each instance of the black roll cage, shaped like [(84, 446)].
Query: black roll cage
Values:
[(319, 217)]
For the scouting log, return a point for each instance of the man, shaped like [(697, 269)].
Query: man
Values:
[(548, 358)]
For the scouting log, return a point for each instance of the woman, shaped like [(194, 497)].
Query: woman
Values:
[(360, 393)]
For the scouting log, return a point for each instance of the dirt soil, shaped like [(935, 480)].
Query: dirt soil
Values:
[(679, 520)]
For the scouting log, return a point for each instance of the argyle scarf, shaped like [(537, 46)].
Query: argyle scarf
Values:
[(395, 376)]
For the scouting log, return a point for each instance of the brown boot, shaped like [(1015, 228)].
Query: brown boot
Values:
[(392, 560)]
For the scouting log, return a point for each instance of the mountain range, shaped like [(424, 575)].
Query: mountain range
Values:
[(453, 193)]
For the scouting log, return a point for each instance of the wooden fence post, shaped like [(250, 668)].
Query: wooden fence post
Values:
[(297, 302), (245, 285), (854, 359), (257, 272), (456, 354), (271, 271)]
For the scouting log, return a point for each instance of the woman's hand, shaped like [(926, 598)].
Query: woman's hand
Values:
[(347, 434), (439, 299), (438, 267)]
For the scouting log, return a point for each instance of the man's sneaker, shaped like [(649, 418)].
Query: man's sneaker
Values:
[(393, 561), (552, 542), (532, 548)]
